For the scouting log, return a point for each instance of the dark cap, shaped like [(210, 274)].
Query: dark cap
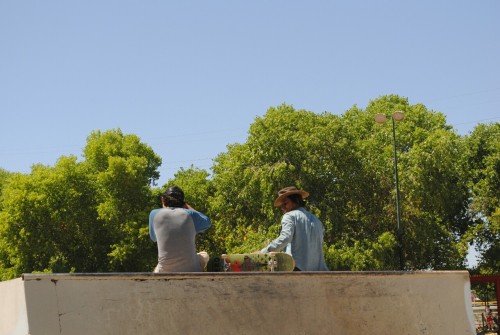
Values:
[(175, 192)]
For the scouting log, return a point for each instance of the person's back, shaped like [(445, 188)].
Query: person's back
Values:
[(301, 232), (175, 233), (307, 242), (174, 228)]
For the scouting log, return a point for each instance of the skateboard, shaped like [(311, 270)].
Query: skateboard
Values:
[(270, 262)]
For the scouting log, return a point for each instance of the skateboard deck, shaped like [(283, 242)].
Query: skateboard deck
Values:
[(270, 262)]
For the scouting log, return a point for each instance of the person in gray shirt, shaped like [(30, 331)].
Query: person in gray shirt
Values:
[(301, 232), (174, 228)]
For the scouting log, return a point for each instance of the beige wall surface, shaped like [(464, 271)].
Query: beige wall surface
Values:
[(13, 318), (246, 303)]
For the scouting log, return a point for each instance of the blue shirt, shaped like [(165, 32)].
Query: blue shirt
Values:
[(302, 237)]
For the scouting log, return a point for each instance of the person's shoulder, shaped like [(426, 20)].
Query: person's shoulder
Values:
[(181, 211), (168, 210), (154, 212), (300, 210), (304, 213), (194, 212), (295, 212)]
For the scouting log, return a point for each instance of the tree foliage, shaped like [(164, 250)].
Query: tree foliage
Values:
[(347, 165), (81, 216), (92, 215), (484, 168)]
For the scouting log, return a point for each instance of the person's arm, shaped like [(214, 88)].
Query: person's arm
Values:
[(285, 237), (152, 234), (201, 221)]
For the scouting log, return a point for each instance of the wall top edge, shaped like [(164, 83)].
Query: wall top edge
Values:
[(218, 275)]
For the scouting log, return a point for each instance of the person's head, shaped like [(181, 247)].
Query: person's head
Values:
[(173, 197), (290, 198)]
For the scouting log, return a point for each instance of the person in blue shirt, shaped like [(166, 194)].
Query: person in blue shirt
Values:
[(174, 228), (301, 232)]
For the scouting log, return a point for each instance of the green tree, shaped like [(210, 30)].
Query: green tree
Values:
[(4, 175), (47, 221), (123, 170), (88, 216), (433, 193), (483, 157), (347, 164), (247, 177), (92, 215)]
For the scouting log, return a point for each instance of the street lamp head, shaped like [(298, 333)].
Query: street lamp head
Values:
[(380, 118), (398, 116)]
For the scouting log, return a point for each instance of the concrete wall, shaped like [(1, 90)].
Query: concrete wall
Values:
[(13, 317), (238, 303)]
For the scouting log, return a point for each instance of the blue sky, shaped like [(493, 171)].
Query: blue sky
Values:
[(189, 77)]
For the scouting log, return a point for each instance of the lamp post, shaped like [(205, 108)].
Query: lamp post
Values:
[(382, 118)]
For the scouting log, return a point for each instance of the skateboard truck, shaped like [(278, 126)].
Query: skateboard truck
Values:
[(273, 263)]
